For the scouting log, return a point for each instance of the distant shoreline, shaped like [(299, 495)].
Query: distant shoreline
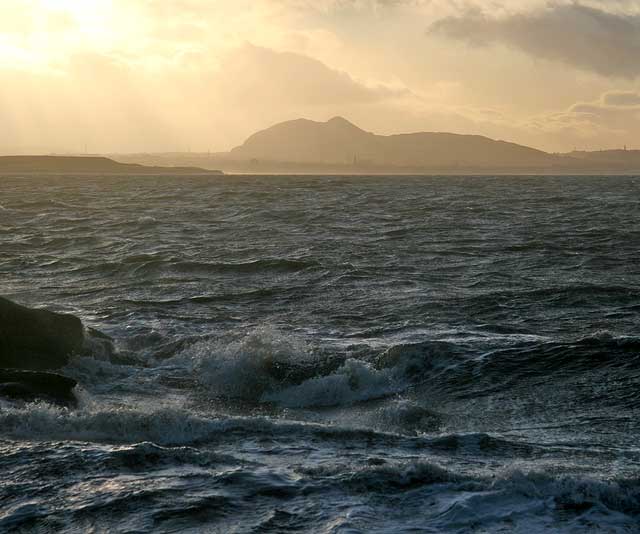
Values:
[(91, 166), (339, 147), (266, 167), (612, 174), (106, 166)]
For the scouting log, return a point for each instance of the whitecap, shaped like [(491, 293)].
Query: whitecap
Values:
[(355, 381)]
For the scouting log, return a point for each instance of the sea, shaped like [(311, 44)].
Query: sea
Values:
[(327, 354)]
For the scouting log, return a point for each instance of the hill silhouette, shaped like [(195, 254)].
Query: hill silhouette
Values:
[(338, 141), (340, 147), (86, 165)]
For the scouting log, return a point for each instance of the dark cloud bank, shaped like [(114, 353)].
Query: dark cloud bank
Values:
[(585, 37)]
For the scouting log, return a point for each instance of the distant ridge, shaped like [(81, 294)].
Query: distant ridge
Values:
[(86, 165), (337, 146), (338, 141)]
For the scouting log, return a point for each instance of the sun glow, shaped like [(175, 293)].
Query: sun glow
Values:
[(92, 19), (62, 28), (79, 10)]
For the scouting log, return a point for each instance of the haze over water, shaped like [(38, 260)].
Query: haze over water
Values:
[(331, 354)]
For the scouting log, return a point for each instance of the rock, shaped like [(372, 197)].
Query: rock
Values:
[(32, 385), (287, 372), (98, 344), (102, 347), (37, 339)]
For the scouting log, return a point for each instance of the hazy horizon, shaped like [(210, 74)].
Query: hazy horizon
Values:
[(109, 76)]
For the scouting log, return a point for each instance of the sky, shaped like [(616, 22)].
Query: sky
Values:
[(107, 76)]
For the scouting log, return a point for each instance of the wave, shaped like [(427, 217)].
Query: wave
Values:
[(168, 437), (270, 367), (242, 294), (164, 427), (462, 371), (169, 426), (259, 265), (25, 205), (401, 416), (140, 457), (149, 265), (147, 435), (354, 381), (393, 477), (251, 294), (578, 294), (380, 495), (511, 493), (570, 357), (248, 367)]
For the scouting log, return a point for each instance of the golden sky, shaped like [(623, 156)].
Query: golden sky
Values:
[(174, 75)]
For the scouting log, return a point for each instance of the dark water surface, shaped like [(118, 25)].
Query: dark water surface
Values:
[(327, 354)]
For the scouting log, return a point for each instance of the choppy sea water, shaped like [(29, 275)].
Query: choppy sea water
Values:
[(331, 354)]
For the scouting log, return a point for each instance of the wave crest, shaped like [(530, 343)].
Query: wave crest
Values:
[(248, 367)]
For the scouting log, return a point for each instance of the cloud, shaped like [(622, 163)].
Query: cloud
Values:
[(611, 103), (588, 38), (621, 99), (254, 73), (111, 104), (342, 5), (611, 121)]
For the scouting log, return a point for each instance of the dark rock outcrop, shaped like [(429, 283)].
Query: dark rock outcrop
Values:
[(31, 386), (33, 339)]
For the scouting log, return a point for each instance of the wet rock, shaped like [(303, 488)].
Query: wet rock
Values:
[(36, 339), (100, 346), (287, 372), (31, 386)]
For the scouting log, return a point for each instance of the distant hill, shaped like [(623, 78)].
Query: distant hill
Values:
[(340, 147), (86, 165), (338, 141)]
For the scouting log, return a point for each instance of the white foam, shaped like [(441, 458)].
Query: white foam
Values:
[(259, 367), (109, 424), (94, 421), (355, 381), (245, 368), (404, 415)]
